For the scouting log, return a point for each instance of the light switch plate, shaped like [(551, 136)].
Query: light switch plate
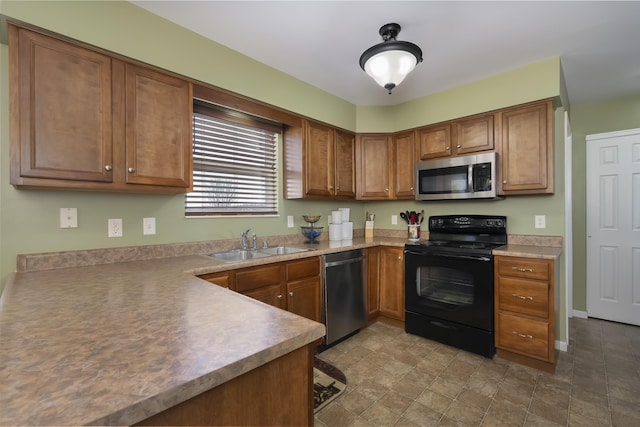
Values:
[(68, 218), (290, 221), (148, 226), (394, 219), (541, 221)]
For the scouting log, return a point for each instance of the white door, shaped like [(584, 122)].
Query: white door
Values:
[(613, 226)]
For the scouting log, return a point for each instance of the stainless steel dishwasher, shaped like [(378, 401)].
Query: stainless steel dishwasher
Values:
[(345, 308)]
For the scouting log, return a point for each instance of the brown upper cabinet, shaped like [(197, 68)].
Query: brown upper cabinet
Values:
[(526, 155), (474, 134), (459, 137), (81, 119), (404, 159), (374, 167), (434, 142), (319, 162)]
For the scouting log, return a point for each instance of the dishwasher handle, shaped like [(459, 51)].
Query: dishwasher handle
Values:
[(343, 262)]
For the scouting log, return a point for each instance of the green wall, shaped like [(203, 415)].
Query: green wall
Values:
[(586, 119), (29, 218)]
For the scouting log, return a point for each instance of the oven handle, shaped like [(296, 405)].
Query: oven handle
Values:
[(448, 255)]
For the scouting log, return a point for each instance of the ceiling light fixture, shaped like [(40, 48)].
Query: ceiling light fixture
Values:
[(389, 62)]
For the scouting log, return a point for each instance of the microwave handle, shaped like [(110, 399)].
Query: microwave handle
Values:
[(470, 180)]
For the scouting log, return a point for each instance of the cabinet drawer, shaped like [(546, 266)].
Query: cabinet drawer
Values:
[(524, 336), (523, 267), (524, 296), (257, 277), (307, 267)]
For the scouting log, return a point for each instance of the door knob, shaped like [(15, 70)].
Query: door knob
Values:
[(108, 168), (131, 170)]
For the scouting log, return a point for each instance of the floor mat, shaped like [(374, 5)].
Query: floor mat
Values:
[(328, 383)]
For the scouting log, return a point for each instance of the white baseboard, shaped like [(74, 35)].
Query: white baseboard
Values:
[(580, 314), (561, 345)]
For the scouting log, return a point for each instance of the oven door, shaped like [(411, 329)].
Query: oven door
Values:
[(453, 287)]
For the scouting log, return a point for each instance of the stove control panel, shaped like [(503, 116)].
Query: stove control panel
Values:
[(468, 223)]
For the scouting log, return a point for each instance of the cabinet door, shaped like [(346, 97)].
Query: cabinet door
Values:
[(392, 282), (373, 152), (344, 164), (318, 159), (527, 150), (158, 128), (304, 298), (224, 279), (61, 110), (271, 295), (404, 163), (373, 281), (474, 134), (434, 142)]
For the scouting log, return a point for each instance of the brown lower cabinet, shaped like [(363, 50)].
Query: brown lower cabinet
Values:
[(279, 393), (292, 285), (385, 280), (524, 301), (373, 281)]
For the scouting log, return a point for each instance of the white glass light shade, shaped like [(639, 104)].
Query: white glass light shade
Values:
[(390, 67)]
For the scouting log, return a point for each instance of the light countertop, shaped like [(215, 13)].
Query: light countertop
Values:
[(116, 343)]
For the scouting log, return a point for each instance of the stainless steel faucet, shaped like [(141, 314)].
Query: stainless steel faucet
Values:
[(245, 239), (255, 242)]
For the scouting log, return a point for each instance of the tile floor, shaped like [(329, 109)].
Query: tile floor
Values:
[(397, 379)]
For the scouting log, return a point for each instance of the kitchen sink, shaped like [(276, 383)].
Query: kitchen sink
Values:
[(282, 250), (238, 255)]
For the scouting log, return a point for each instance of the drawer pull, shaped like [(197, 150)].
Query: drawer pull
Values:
[(522, 297), (527, 270), (529, 337)]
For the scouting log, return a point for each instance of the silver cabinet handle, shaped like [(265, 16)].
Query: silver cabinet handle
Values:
[(524, 270), (458, 146), (522, 297), (527, 336), (290, 294), (108, 168), (411, 188), (131, 170), (279, 297), (504, 182), (447, 148), (386, 190)]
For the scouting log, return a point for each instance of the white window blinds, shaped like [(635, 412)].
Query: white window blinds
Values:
[(234, 164)]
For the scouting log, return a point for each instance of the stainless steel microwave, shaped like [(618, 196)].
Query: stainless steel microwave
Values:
[(464, 177)]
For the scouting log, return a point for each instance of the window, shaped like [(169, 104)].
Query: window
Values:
[(234, 164)]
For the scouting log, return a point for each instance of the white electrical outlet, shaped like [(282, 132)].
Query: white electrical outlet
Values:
[(115, 227), (290, 221), (394, 219), (68, 218), (541, 221), (148, 226)]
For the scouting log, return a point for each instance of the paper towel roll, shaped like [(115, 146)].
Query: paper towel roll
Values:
[(336, 217), (347, 231), (345, 214), (335, 231)]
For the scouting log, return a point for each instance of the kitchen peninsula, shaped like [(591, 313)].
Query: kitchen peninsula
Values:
[(115, 344)]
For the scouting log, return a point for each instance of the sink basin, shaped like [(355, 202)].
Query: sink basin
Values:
[(238, 255), (282, 250)]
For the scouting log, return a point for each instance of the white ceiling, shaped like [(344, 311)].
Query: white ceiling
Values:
[(320, 42)]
